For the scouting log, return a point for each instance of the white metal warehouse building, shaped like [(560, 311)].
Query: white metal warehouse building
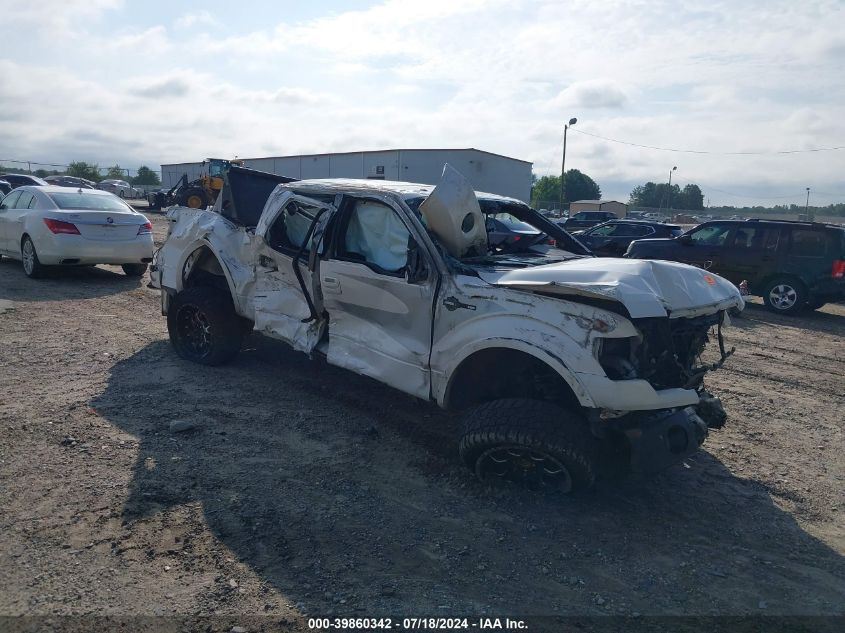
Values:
[(492, 173)]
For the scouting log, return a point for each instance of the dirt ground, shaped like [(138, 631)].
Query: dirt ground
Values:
[(305, 490)]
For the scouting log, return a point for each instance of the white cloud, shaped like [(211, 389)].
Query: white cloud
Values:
[(55, 17), (197, 18), (593, 93)]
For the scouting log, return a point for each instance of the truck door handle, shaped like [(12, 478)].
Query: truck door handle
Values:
[(331, 284)]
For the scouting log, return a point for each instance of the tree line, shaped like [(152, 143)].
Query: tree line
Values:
[(579, 186), (92, 171), (662, 196)]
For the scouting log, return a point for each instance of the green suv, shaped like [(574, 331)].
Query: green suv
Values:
[(791, 265)]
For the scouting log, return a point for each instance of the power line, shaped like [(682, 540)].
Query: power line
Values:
[(737, 195), (696, 151), (30, 162)]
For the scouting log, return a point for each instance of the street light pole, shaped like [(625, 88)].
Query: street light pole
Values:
[(572, 121), (807, 206), (669, 201)]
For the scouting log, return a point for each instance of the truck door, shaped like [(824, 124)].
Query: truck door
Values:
[(286, 304), (378, 288)]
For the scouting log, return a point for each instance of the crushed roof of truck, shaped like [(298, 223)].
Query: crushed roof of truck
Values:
[(406, 189)]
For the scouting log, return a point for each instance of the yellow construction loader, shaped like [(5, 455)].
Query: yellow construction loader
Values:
[(198, 193)]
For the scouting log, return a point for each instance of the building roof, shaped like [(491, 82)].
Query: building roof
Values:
[(376, 151)]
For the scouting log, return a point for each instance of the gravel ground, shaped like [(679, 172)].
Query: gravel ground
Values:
[(303, 490)]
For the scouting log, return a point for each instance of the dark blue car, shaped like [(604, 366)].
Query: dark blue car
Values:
[(611, 239)]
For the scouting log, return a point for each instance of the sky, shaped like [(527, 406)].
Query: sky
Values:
[(731, 83)]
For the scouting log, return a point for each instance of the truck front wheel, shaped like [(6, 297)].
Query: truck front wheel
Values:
[(533, 444), (203, 326)]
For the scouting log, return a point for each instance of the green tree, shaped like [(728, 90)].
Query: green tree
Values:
[(579, 186), (655, 195), (116, 172), (659, 196), (691, 198), (545, 191), (146, 176), (81, 169)]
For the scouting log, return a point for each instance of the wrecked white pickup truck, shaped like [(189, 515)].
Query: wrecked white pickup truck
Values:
[(547, 349)]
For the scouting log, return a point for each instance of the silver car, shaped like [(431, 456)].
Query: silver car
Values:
[(119, 188)]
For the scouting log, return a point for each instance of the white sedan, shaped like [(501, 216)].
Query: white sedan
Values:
[(59, 226), (120, 188)]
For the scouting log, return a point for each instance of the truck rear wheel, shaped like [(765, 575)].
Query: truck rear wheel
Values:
[(203, 326), (530, 443)]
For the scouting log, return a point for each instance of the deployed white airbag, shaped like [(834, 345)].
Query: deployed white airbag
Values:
[(377, 233), (452, 213)]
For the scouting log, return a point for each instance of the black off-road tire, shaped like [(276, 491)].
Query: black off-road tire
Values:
[(134, 270), (203, 326), (194, 198), (785, 295), (531, 428)]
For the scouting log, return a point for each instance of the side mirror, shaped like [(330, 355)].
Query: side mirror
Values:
[(415, 270), (685, 239)]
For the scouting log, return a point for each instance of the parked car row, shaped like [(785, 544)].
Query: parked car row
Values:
[(120, 188)]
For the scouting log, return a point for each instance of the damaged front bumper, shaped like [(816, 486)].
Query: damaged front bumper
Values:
[(658, 439)]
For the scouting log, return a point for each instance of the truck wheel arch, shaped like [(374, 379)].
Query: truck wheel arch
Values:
[(202, 266), (511, 368)]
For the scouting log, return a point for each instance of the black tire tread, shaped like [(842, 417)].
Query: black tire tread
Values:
[(193, 191), (134, 270), (227, 330), (532, 423)]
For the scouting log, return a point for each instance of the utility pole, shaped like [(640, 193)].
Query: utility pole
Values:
[(572, 121), (669, 200), (807, 207)]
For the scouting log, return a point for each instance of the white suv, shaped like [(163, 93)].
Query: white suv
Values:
[(548, 350)]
